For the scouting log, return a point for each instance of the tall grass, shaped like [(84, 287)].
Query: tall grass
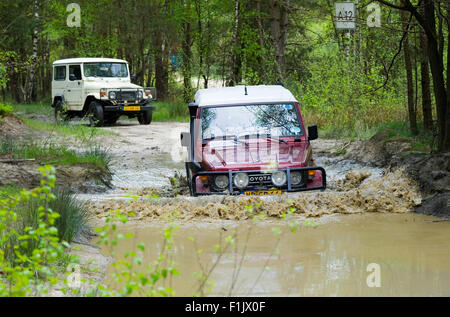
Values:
[(72, 224), (171, 111), (56, 154)]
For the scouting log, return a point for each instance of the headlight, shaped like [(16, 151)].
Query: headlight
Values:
[(112, 95), (240, 180), (296, 178), (140, 95), (221, 181), (279, 178)]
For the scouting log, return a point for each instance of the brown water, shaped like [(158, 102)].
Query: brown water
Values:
[(328, 258)]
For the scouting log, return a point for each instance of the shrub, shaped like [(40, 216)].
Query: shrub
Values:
[(72, 222), (5, 109), (29, 253)]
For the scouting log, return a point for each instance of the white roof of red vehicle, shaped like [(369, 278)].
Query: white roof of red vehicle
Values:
[(236, 95), (88, 60)]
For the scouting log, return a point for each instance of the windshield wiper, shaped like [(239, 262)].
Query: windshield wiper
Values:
[(224, 137), (267, 136)]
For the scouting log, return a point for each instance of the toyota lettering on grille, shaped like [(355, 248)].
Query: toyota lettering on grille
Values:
[(259, 178)]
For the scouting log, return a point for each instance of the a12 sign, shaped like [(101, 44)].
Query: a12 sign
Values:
[(345, 13)]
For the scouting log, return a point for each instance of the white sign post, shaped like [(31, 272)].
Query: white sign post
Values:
[(345, 13)]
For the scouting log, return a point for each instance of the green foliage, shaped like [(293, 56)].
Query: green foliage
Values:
[(30, 252), (73, 215), (3, 75), (5, 109), (343, 100), (174, 111)]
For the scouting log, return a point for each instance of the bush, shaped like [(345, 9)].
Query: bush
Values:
[(72, 222), (5, 109), (29, 247)]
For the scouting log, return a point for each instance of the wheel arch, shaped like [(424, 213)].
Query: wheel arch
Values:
[(88, 101), (57, 98)]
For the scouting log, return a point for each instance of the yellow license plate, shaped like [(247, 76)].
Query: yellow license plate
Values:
[(263, 192), (131, 108)]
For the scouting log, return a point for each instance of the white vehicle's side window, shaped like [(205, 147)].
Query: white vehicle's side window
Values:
[(74, 72), (60, 73)]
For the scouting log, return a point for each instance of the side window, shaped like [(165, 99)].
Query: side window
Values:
[(75, 72), (60, 73)]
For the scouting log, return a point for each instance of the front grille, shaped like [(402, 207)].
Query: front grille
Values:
[(127, 95)]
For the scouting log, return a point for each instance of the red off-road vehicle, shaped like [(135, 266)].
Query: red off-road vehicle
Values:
[(249, 140)]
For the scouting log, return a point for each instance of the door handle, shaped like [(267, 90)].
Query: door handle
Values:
[(68, 90)]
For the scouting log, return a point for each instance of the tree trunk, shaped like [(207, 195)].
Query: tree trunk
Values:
[(278, 28), (428, 22), (236, 61), (187, 58), (425, 83), (409, 76)]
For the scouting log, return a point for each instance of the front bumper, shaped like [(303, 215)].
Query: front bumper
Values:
[(121, 107), (319, 182)]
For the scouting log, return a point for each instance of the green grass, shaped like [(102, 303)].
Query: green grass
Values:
[(175, 111), (37, 109), (56, 154), (9, 190), (79, 131)]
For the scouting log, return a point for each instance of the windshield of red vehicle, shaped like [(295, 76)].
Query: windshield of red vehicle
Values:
[(277, 120)]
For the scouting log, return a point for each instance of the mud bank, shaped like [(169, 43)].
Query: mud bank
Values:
[(431, 171), (392, 193), (81, 177)]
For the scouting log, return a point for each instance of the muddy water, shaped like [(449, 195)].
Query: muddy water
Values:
[(363, 217), (328, 258)]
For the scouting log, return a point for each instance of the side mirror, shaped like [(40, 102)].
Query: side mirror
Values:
[(185, 139), (72, 77), (312, 132), (133, 77)]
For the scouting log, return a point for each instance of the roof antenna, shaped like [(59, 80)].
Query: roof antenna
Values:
[(246, 91)]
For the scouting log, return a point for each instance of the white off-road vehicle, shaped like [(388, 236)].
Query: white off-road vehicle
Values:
[(99, 88)]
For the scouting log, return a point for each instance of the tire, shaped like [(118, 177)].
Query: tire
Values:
[(60, 115), (96, 115), (111, 120), (189, 180), (145, 117)]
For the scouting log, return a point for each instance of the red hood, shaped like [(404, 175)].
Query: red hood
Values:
[(229, 155)]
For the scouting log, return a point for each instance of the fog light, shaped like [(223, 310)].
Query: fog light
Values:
[(296, 178), (241, 180), (279, 178), (221, 181)]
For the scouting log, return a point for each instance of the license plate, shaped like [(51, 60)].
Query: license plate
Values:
[(262, 192), (131, 108)]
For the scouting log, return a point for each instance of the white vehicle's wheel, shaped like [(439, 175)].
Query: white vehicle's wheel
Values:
[(95, 114), (145, 117), (60, 113)]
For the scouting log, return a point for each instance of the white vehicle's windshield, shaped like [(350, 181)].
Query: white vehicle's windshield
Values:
[(276, 120), (105, 70)]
